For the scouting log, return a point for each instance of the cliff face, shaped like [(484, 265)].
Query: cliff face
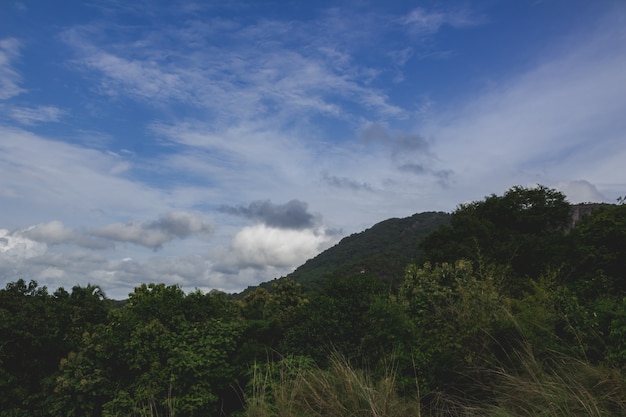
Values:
[(581, 210)]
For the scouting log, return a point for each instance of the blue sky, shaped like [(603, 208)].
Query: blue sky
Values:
[(216, 145)]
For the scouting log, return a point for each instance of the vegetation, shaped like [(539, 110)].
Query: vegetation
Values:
[(504, 311), (384, 250)]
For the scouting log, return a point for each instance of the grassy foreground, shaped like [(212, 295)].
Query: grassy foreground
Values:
[(557, 387)]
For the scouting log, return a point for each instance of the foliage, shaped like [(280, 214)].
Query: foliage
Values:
[(457, 315), (349, 316), (522, 230), (597, 253), (36, 331), (267, 315), (171, 352), (383, 250), (341, 390), (558, 386), (555, 386)]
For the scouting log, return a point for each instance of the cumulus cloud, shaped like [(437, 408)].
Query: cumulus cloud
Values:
[(174, 225), (261, 246), (52, 232), (14, 246), (292, 215), (187, 271), (183, 224), (581, 191), (55, 233)]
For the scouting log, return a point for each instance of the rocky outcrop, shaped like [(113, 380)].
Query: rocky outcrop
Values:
[(581, 210)]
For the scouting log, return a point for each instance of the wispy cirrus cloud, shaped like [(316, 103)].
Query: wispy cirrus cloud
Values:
[(10, 79), (254, 72), (32, 115), (60, 176), (423, 21), (545, 124)]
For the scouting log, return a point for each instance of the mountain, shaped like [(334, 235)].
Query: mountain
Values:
[(383, 250)]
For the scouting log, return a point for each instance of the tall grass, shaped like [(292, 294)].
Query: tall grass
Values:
[(339, 391), (149, 406), (559, 386), (555, 387)]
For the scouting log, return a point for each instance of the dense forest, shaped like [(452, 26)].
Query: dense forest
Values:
[(505, 308)]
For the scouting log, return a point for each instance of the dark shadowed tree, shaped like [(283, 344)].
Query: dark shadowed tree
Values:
[(523, 230)]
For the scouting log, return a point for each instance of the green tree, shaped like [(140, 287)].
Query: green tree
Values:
[(597, 254), (523, 230), (37, 329), (268, 315), (457, 317), (163, 353), (350, 316)]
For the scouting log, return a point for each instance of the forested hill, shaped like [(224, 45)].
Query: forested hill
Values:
[(384, 250)]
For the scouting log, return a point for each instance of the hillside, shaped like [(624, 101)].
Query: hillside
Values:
[(384, 250)]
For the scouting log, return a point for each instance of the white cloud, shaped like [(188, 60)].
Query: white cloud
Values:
[(137, 78), (51, 273), (581, 191), (553, 122), (423, 22), (133, 232), (55, 233), (260, 246), (177, 224), (71, 181), (10, 79), (31, 115), (52, 232), (256, 72), (14, 247)]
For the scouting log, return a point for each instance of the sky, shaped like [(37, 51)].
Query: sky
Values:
[(220, 144)]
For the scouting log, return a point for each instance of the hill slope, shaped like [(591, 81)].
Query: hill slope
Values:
[(383, 250)]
